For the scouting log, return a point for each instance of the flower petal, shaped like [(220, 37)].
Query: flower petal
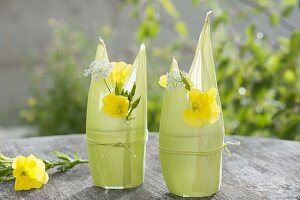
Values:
[(193, 95), (46, 178), (193, 119), (18, 162), (109, 99), (163, 81), (26, 184), (212, 93), (119, 72), (214, 113), (115, 105)]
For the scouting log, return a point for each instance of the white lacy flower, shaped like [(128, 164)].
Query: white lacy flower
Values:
[(98, 70), (174, 80)]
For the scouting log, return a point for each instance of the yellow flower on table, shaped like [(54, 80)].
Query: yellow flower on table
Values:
[(203, 108), (115, 105), (119, 72), (29, 172)]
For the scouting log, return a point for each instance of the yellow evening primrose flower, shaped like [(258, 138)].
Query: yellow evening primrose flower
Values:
[(29, 172), (203, 108), (119, 72), (115, 105), (163, 81)]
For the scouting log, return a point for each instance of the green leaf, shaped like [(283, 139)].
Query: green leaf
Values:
[(289, 2), (288, 7), (295, 44), (118, 88), (62, 155), (265, 3), (76, 156), (274, 19), (220, 19), (185, 81), (150, 12), (287, 10), (136, 103), (170, 8), (132, 92), (196, 2), (149, 28), (250, 32), (130, 99), (181, 29)]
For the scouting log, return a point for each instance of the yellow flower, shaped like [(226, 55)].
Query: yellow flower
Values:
[(163, 81), (119, 72), (29, 172), (203, 108), (115, 105)]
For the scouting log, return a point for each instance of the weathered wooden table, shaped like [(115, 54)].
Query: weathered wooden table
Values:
[(258, 169)]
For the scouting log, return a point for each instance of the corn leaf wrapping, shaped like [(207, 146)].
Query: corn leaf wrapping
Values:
[(191, 157), (116, 147)]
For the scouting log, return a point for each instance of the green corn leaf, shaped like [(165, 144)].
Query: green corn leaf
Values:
[(98, 124), (176, 135)]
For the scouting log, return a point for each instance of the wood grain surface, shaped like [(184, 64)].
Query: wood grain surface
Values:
[(259, 168)]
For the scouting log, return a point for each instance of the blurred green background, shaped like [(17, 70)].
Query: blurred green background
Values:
[(258, 71)]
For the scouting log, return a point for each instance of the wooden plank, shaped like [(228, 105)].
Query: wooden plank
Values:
[(258, 169)]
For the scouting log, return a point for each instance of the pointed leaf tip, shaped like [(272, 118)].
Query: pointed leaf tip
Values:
[(100, 40), (142, 48), (207, 15), (174, 61), (209, 12), (174, 65)]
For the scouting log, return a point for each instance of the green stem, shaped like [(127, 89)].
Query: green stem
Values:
[(6, 161), (127, 118), (107, 85), (64, 165)]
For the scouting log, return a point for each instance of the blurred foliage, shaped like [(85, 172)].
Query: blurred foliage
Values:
[(58, 104), (258, 74)]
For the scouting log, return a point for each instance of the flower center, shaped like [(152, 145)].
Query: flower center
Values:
[(120, 109), (24, 172), (196, 106)]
